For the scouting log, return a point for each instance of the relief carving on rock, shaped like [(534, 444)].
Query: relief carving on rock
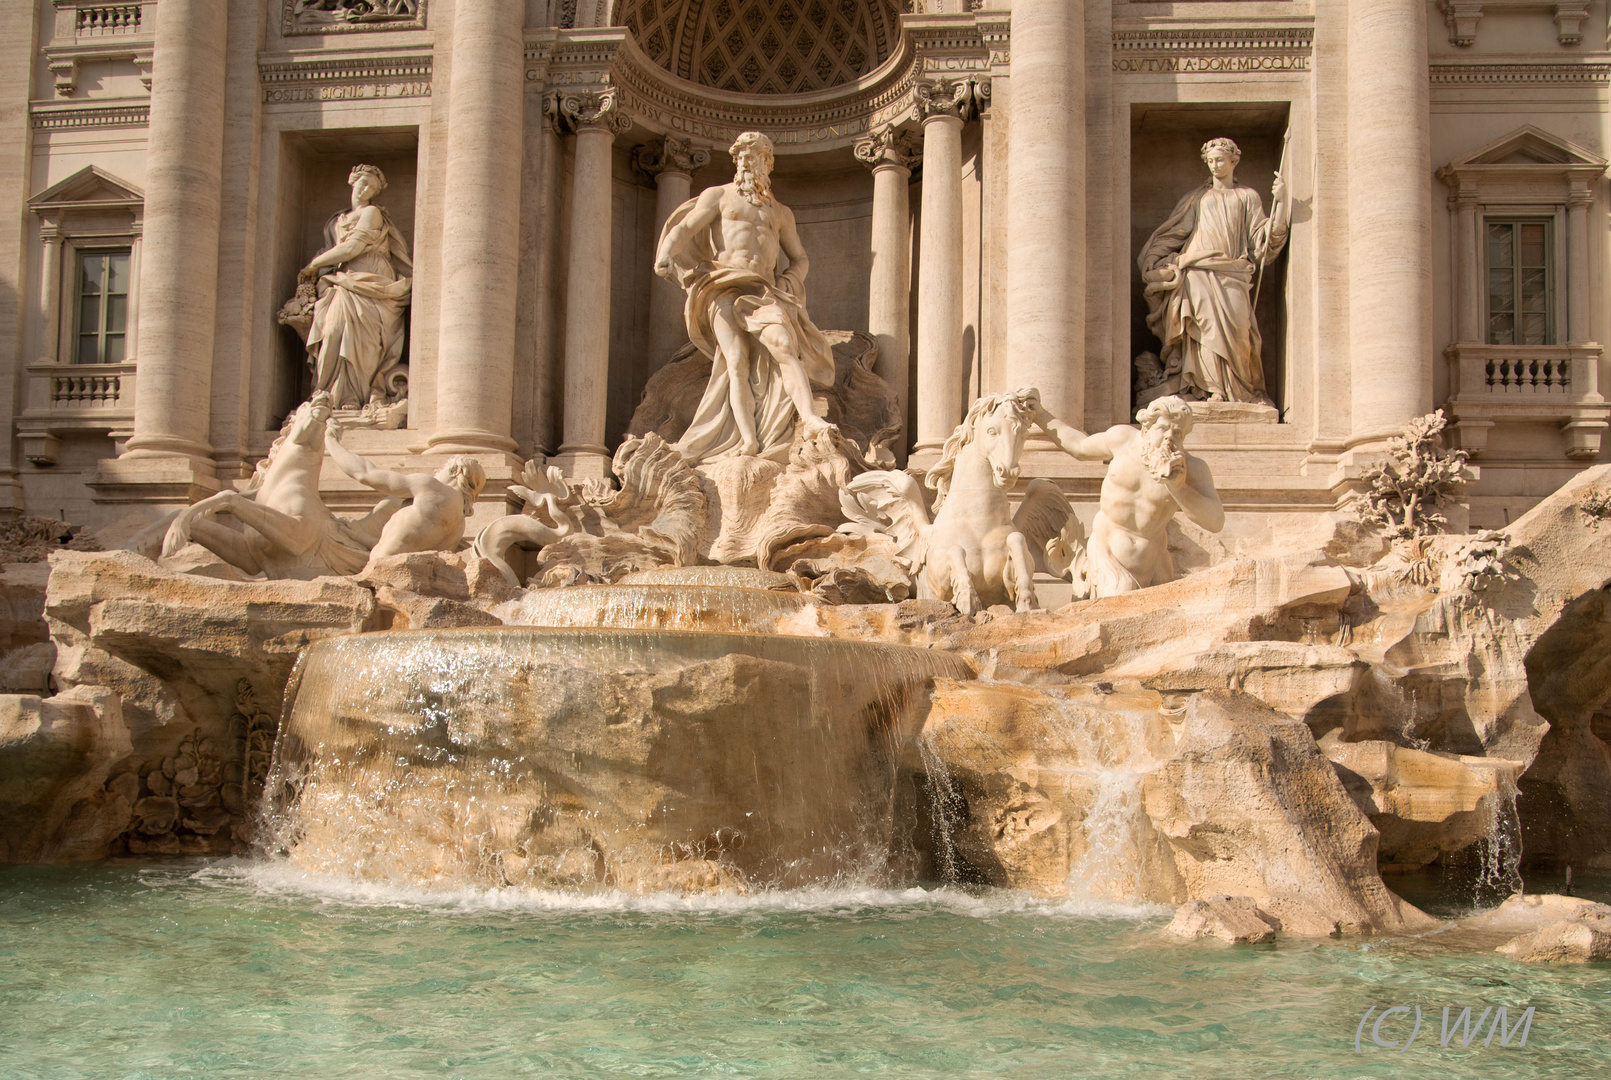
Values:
[(341, 16)]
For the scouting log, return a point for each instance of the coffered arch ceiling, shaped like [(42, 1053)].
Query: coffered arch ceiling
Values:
[(764, 46)]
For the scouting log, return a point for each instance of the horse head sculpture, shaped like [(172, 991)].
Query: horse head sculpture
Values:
[(988, 442)]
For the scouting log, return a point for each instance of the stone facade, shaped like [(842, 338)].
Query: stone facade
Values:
[(974, 180)]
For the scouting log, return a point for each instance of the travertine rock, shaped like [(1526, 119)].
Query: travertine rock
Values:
[(1585, 938), (166, 653), (1251, 807), (1236, 919), (55, 757), (1040, 788), (1425, 804)]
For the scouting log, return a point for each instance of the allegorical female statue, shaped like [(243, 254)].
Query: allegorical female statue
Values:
[(350, 300), (1200, 267)]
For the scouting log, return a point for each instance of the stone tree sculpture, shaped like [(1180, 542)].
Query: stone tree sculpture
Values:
[(1404, 493), (349, 306), (722, 247), (1201, 267)]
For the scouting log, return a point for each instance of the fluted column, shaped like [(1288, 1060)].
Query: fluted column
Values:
[(480, 242), (891, 153), (1389, 217), (941, 106), (1577, 267), (50, 297), (671, 162), (1046, 205), (593, 115), (183, 197), (1468, 285)]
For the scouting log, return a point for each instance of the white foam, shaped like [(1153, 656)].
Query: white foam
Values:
[(278, 879)]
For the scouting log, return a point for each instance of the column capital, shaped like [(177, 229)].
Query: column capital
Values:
[(591, 110), (670, 154), (959, 98), (1581, 194), (890, 147)]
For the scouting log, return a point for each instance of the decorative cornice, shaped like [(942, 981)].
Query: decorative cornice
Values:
[(1524, 73), (366, 75), (670, 154), (936, 46), (889, 146), (51, 116), (1213, 50)]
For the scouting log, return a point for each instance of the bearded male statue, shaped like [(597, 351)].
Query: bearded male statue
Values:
[(1151, 477), (722, 247)]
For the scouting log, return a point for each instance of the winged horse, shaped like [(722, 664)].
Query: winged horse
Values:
[(976, 552)]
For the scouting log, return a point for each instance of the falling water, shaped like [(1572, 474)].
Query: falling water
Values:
[(717, 608), (596, 758), (1115, 743)]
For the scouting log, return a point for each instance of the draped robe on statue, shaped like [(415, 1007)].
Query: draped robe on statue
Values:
[(757, 304), (356, 342), (1216, 238)]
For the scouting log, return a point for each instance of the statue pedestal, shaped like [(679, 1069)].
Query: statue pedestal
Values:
[(1233, 412)]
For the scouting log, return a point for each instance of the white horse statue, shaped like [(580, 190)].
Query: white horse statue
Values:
[(976, 552), (287, 531)]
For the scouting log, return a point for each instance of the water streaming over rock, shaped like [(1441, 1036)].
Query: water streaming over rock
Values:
[(596, 758)]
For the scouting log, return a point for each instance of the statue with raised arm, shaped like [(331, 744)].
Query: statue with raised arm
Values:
[(723, 248), (1151, 478), (1200, 268), (350, 300), (284, 528), (438, 503)]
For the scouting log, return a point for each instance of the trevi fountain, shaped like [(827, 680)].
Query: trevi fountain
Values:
[(763, 740)]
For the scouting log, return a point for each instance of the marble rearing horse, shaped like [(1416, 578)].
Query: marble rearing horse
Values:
[(976, 552), (286, 529)]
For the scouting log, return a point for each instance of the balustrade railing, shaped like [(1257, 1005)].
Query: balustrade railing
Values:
[(104, 19)]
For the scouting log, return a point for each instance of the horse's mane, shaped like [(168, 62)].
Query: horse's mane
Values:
[(261, 472), (939, 477)]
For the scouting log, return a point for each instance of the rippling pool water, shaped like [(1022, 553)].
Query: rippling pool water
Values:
[(239, 970)]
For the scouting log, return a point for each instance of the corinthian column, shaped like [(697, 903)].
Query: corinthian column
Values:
[(1389, 217), (593, 115), (671, 162), (480, 244), (179, 275), (891, 153), (1046, 205), (941, 106)]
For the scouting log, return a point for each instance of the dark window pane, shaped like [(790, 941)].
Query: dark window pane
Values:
[(117, 308), (1532, 245), (1500, 252), (1534, 330), (89, 349), (1501, 330), (117, 279), (91, 277), (1501, 289), (114, 349), (1533, 294)]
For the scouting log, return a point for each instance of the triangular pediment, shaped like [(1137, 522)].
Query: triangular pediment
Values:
[(1530, 146), (88, 186)]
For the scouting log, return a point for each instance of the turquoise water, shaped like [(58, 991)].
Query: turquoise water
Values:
[(238, 970)]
